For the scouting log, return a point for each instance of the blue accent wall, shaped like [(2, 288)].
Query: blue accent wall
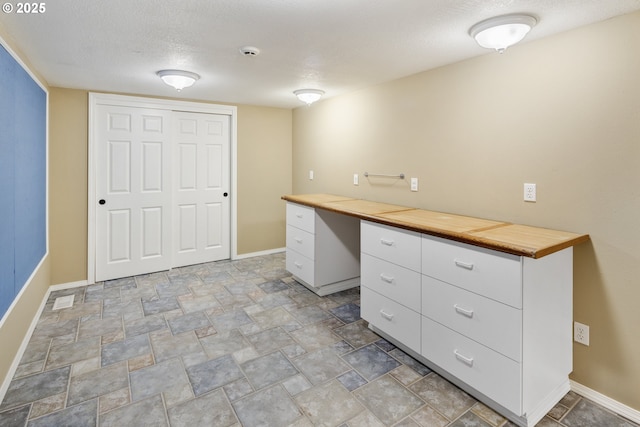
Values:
[(23, 180)]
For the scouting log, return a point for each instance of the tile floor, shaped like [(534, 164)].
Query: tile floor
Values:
[(234, 343)]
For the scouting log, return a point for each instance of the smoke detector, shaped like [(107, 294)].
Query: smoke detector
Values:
[(249, 51)]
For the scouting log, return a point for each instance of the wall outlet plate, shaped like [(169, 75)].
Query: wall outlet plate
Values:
[(529, 192), (581, 333), (414, 184)]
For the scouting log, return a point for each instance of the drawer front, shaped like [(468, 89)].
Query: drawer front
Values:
[(392, 244), (301, 241), (390, 280), (493, 274), (302, 217), (490, 373), (300, 266), (496, 325), (391, 318)]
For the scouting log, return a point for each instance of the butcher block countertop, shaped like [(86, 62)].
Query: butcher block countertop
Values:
[(533, 242)]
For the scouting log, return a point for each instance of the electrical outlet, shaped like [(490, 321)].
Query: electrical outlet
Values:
[(414, 184), (529, 192), (355, 179), (581, 333), (311, 175)]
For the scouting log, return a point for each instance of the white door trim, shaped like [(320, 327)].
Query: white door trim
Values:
[(161, 104)]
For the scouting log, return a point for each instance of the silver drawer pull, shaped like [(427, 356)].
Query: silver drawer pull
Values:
[(299, 215), (387, 242), (386, 278), (466, 360), (298, 239), (464, 312), (467, 265), (297, 264), (386, 315)]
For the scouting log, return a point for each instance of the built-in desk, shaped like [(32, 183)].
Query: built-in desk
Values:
[(486, 304)]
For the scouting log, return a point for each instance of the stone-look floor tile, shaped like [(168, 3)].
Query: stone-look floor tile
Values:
[(306, 297), (145, 413), (267, 370), (389, 401), (558, 411), (113, 400), (241, 288), (314, 337), (273, 286), (29, 368), (165, 290), (269, 301), (224, 343), (351, 380), (47, 405), (233, 302), (570, 399), (67, 354), (429, 417), (547, 422), (80, 310), (270, 340), (51, 330), (36, 351), (205, 332), (357, 333), (156, 379), (15, 417), (328, 404), (159, 305), (366, 419), (112, 337), (371, 362), (126, 349), (98, 327), (309, 314), (469, 419), (84, 366), (140, 362), (189, 322), (83, 414), (586, 412), (205, 290), (274, 317), (409, 361), (405, 375), (213, 374), (321, 365), (211, 409), (144, 325), (407, 422), (231, 320), (348, 313), (93, 384), (268, 407), (245, 354), (127, 282), (488, 414), (94, 294), (385, 345), (238, 389), (296, 384), (128, 310), (292, 351), (36, 387), (143, 291), (443, 396)]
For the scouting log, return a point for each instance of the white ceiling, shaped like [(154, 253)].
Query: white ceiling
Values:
[(334, 45)]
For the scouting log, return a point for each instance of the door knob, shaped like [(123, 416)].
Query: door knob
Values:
[(102, 201)]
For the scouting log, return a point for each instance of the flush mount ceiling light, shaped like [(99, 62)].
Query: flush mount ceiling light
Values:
[(177, 78), (501, 32), (309, 96)]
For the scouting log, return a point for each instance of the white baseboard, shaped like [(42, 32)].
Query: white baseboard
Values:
[(25, 341), (260, 253), (607, 402)]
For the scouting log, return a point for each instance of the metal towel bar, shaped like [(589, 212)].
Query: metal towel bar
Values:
[(367, 175)]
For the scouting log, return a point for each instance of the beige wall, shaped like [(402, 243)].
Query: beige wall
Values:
[(264, 174), (564, 113)]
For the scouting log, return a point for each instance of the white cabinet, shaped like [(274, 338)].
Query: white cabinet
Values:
[(323, 249), (495, 324)]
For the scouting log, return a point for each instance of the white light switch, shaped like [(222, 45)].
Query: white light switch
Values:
[(311, 175), (355, 179), (414, 184)]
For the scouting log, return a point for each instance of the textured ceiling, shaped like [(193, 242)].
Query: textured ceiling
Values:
[(334, 45)]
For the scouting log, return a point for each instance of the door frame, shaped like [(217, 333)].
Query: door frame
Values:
[(96, 99)]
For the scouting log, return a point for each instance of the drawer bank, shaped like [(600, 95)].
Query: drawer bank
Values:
[(486, 304)]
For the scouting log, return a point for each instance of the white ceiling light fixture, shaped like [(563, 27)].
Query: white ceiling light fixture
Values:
[(178, 79), (308, 96), (501, 32)]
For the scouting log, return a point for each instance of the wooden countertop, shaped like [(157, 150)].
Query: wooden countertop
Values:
[(533, 242)]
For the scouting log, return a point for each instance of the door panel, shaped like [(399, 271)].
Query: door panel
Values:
[(201, 144), (133, 228)]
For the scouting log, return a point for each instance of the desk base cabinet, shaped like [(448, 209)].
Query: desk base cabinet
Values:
[(497, 325)]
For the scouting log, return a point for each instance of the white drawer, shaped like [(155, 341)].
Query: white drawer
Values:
[(300, 266), (301, 241), (391, 318), (398, 283), (302, 217), (493, 274), (393, 244), (496, 325), (491, 373)]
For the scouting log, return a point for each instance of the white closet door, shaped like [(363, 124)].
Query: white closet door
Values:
[(133, 191), (201, 207)]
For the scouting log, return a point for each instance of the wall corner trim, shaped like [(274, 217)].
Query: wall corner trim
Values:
[(605, 401)]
